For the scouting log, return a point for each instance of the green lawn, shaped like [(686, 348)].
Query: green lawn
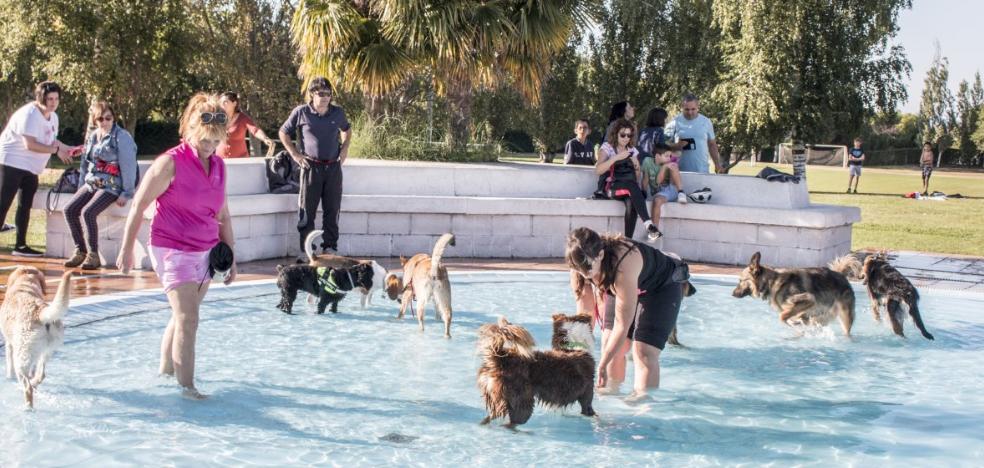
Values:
[(888, 221)]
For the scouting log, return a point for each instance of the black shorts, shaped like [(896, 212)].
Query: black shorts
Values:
[(655, 317), (927, 171)]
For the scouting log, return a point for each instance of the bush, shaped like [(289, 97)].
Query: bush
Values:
[(155, 137), (399, 139)]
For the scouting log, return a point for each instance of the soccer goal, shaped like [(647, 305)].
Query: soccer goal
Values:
[(816, 155)]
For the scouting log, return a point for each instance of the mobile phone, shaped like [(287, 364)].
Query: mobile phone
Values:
[(691, 143)]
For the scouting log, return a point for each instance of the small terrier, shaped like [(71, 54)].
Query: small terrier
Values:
[(513, 376), (327, 284), (888, 287)]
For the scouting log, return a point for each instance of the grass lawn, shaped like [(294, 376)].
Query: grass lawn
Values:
[(888, 221)]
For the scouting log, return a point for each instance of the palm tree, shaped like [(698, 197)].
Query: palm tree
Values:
[(372, 46)]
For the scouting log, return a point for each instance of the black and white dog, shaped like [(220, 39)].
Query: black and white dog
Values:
[(329, 285)]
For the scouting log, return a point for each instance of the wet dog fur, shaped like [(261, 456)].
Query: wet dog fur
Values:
[(802, 296), (32, 328), (294, 278), (339, 261), (428, 279), (888, 287), (572, 333), (513, 376)]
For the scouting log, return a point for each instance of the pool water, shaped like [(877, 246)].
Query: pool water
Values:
[(361, 388)]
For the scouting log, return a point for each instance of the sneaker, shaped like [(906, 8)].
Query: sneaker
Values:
[(855, 191), (25, 251), (849, 190), (681, 198), (7, 227), (77, 258), (654, 233), (92, 261)]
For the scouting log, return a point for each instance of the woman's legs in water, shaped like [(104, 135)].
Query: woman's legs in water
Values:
[(178, 343), (646, 360), (616, 368)]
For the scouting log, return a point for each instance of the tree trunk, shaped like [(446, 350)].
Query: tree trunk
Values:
[(460, 99)]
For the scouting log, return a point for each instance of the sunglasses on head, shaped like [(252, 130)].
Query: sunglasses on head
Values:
[(104, 119), (217, 118)]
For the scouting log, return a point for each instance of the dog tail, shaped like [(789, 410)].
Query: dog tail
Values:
[(309, 243), (848, 265), (56, 310), (442, 243), (913, 302)]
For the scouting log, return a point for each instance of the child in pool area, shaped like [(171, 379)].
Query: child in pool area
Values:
[(661, 180)]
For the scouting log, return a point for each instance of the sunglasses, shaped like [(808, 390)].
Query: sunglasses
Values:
[(104, 119), (322, 93), (217, 118), (625, 135)]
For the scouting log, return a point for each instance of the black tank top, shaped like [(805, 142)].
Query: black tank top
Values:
[(657, 268)]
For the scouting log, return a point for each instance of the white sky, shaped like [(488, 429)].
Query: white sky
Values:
[(956, 24)]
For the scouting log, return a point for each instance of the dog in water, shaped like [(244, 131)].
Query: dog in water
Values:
[(32, 328), (338, 261), (888, 287), (513, 377), (424, 278), (802, 296), (327, 284)]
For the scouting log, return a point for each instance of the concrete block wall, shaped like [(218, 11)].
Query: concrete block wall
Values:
[(506, 210)]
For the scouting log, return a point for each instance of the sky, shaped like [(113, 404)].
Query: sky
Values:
[(954, 23)]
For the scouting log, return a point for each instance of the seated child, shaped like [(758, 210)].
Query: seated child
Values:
[(661, 180)]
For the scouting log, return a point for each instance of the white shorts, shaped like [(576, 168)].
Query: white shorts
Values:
[(855, 171)]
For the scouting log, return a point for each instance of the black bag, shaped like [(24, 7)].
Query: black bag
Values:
[(68, 182), (283, 174)]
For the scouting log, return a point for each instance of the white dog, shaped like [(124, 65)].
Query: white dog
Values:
[(32, 328)]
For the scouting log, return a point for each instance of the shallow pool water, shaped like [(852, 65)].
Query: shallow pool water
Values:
[(361, 388)]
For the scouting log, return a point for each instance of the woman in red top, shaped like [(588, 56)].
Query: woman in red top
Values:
[(239, 124)]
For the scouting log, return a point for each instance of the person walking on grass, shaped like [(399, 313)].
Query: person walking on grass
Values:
[(926, 162), (26, 144), (855, 159)]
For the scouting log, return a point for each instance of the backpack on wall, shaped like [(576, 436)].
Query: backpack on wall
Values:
[(283, 174)]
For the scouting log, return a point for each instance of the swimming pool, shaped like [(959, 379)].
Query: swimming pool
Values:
[(360, 388)]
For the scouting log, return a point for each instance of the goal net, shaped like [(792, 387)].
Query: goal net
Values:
[(817, 155)]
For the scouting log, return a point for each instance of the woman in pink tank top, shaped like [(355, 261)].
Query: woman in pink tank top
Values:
[(191, 216)]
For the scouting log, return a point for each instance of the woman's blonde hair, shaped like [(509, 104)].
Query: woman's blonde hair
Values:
[(192, 128), (97, 109)]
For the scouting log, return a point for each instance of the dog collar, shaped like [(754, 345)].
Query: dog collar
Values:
[(574, 345)]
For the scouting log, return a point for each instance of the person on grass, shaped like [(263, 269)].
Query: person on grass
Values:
[(855, 159), (926, 163)]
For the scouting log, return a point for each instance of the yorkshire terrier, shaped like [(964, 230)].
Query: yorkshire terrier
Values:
[(888, 287), (513, 376), (327, 284)]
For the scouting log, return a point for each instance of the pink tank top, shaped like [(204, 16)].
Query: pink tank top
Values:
[(185, 218)]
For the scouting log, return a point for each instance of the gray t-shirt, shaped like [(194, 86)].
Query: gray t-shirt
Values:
[(700, 130), (319, 134)]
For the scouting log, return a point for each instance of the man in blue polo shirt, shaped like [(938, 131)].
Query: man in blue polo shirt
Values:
[(324, 134)]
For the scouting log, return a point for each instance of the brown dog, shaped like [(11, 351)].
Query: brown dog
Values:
[(32, 329), (802, 296), (513, 376), (888, 287), (428, 278)]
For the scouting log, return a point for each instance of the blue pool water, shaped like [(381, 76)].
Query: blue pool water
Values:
[(361, 388)]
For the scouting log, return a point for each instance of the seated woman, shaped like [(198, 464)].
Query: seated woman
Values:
[(619, 171), (108, 175), (639, 277)]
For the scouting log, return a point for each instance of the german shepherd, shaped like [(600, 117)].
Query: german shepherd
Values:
[(886, 286), (802, 296)]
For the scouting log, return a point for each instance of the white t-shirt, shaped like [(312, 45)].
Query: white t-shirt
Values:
[(28, 120)]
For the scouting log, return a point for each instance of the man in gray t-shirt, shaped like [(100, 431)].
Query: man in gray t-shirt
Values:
[(693, 133), (324, 134)]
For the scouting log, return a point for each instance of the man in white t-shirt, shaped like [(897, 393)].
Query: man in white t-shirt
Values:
[(26, 144), (693, 134)]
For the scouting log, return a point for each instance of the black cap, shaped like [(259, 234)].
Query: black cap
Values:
[(319, 83)]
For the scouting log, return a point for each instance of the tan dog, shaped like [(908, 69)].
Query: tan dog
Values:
[(340, 262), (428, 278), (32, 328)]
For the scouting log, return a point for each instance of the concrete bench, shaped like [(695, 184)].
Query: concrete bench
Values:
[(504, 210)]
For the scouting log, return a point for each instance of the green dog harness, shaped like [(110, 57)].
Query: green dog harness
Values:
[(326, 279)]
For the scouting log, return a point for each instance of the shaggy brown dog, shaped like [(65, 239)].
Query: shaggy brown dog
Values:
[(802, 296), (32, 329), (513, 376), (886, 286), (428, 278)]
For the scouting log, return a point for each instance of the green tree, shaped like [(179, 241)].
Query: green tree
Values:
[(375, 45), (970, 98), (937, 115), (806, 69), (562, 101), (978, 136)]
